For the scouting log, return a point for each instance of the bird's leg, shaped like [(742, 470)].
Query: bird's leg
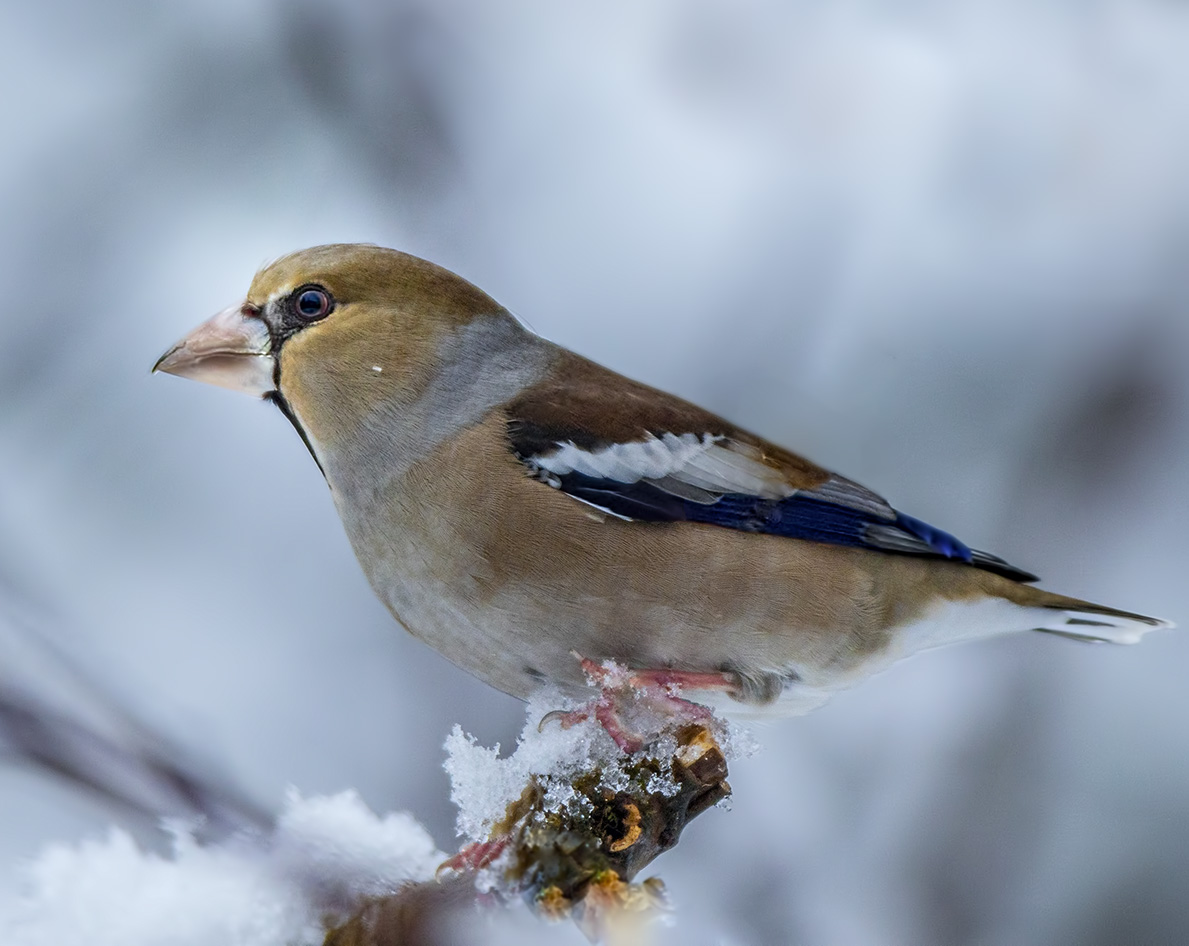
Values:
[(666, 685), (655, 691)]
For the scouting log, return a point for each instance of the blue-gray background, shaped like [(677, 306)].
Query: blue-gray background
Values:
[(940, 247)]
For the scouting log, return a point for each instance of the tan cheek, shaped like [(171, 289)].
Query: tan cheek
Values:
[(334, 374)]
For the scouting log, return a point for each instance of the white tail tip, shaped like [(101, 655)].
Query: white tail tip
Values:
[(1099, 628)]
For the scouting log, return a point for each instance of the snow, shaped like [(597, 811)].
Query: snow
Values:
[(122, 895), (245, 891), (483, 783), (339, 850)]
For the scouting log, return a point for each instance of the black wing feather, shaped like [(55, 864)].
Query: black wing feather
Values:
[(831, 515)]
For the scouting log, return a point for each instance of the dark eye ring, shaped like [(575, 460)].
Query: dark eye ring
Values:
[(311, 303)]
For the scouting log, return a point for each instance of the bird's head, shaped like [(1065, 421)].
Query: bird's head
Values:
[(332, 331), (346, 311)]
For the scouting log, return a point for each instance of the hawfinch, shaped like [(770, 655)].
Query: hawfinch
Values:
[(514, 504)]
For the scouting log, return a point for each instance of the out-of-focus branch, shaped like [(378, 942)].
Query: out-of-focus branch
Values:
[(424, 914), (110, 753), (137, 774)]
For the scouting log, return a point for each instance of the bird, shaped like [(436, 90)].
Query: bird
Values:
[(532, 515)]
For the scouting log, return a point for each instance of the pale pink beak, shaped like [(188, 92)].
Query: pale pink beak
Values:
[(232, 350)]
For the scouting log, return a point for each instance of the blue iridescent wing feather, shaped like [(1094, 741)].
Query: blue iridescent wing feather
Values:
[(798, 516)]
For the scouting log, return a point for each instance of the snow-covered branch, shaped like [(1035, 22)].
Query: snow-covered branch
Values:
[(588, 818), (565, 823)]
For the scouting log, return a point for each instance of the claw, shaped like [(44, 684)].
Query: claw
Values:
[(566, 718)]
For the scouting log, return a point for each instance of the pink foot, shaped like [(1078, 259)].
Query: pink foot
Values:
[(604, 711), (656, 691), (474, 856)]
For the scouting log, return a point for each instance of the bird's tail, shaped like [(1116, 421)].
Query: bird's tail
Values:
[(1086, 621)]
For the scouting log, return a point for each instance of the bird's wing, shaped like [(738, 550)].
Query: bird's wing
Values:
[(640, 454)]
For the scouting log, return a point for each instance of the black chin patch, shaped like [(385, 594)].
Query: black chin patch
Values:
[(279, 400)]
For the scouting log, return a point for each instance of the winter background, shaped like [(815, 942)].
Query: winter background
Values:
[(940, 247)]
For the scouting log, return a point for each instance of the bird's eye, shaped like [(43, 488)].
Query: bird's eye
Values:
[(312, 303)]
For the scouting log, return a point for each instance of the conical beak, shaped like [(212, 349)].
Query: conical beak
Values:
[(231, 350)]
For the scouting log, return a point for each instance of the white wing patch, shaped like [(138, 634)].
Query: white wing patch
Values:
[(648, 459), (700, 468)]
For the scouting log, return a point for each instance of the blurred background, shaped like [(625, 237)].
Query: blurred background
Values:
[(940, 247)]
